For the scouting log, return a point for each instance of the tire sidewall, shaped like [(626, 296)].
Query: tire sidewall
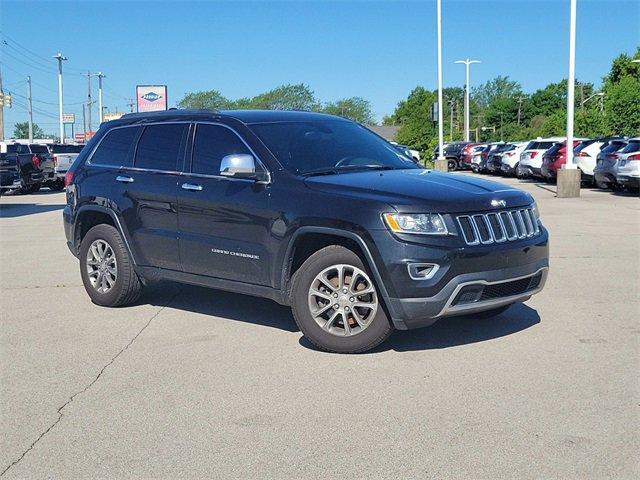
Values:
[(110, 235), (376, 332)]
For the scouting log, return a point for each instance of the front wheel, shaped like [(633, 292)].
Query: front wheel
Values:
[(106, 268), (452, 165), (336, 303)]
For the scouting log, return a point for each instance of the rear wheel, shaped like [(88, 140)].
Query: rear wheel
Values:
[(57, 185), (336, 304), (106, 268), (452, 165)]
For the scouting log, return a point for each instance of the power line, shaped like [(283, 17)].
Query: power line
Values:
[(30, 65)]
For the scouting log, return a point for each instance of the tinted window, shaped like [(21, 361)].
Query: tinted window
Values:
[(159, 147), (211, 144), (66, 148), (328, 145), (553, 150), (12, 148), (39, 149), (116, 148), (614, 146), (632, 146)]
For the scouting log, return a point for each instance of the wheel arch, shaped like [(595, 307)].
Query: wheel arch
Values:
[(89, 216)]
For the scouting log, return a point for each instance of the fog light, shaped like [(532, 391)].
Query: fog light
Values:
[(423, 271)]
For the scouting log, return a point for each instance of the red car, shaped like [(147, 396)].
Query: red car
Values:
[(466, 154), (554, 159)]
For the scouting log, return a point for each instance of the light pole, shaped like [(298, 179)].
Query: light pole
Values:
[(441, 162), (30, 109), (100, 76), (569, 176), (467, 63), (60, 58)]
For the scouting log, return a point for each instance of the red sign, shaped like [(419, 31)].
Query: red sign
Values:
[(151, 98), (82, 137)]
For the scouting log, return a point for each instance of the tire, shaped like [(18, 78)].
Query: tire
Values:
[(359, 336), (452, 165), (56, 186), (127, 287)]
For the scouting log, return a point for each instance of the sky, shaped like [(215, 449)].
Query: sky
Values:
[(377, 50)]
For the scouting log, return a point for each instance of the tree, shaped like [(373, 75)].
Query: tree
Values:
[(499, 87), (21, 130), (208, 100), (355, 108), (622, 106), (286, 97)]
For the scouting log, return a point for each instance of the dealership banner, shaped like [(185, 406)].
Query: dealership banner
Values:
[(151, 97)]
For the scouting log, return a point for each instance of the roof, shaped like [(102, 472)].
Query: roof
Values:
[(388, 132), (246, 116)]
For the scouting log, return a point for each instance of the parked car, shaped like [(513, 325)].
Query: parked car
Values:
[(531, 158), (310, 210), (434, 156), (469, 152), (585, 155), (63, 158), (47, 165), (554, 159), (628, 173), (409, 152), (453, 153), (511, 158), (487, 151), (494, 159), (21, 169), (606, 169), (476, 157)]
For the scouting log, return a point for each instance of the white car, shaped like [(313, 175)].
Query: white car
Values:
[(628, 173), (531, 157), (585, 155), (511, 158), (63, 157)]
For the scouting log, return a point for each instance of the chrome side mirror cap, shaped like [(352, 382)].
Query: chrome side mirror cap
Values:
[(238, 166)]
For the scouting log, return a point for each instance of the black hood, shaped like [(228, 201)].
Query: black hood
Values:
[(423, 190)]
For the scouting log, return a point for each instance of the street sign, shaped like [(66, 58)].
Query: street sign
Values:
[(68, 118), (151, 98), (81, 137), (434, 112)]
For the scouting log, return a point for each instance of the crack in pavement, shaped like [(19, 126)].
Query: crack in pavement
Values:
[(93, 382)]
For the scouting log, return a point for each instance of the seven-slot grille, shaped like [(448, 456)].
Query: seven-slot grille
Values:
[(498, 227)]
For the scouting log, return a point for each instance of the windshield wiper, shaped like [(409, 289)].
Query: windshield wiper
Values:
[(345, 168)]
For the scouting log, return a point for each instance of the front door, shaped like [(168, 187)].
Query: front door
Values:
[(224, 222)]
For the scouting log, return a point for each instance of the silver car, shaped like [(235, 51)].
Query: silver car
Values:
[(607, 165), (628, 173)]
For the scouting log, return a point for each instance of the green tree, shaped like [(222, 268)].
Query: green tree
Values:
[(21, 130), (355, 108), (286, 97), (499, 87), (207, 100), (622, 106)]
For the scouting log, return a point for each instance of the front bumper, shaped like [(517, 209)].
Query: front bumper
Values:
[(517, 283), (414, 303)]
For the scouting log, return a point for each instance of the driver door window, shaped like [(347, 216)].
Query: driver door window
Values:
[(211, 144)]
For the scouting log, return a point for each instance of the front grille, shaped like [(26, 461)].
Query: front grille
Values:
[(498, 227), (481, 293)]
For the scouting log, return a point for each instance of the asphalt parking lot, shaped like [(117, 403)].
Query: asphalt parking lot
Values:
[(197, 383)]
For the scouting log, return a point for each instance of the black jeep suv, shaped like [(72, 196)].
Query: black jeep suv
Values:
[(310, 210)]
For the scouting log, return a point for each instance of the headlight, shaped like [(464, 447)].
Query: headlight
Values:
[(534, 209), (420, 223)]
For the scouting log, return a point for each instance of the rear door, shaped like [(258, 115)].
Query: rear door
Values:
[(147, 192), (225, 223)]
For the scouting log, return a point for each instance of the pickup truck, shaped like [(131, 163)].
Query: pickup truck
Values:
[(20, 168), (63, 158)]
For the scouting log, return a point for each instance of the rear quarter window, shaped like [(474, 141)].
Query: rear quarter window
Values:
[(116, 148), (631, 147)]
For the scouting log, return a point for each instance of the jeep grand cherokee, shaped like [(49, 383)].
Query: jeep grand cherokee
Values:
[(310, 210)]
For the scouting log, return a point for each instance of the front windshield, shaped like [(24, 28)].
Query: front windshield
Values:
[(328, 146)]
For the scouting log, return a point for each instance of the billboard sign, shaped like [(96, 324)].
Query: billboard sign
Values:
[(151, 98), (68, 118)]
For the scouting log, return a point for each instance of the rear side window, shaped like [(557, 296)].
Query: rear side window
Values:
[(632, 146), (66, 148), (614, 146), (211, 144), (12, 148), (116, 148), (159, 147), (39, 148)]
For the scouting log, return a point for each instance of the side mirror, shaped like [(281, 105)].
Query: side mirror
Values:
[(238, 166)]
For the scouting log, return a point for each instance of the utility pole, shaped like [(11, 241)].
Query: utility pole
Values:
[(520, 99), (441, 162), (100, 76), (30, 109), (1, 109), (467, 63), (130, 105), (60, 59), (89, 102), (451, 104), (84, 121)]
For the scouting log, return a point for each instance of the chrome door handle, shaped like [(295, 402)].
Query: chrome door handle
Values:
[(123, 179), (191, 186)]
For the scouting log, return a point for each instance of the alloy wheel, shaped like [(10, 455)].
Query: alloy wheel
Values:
[(102, 266)]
